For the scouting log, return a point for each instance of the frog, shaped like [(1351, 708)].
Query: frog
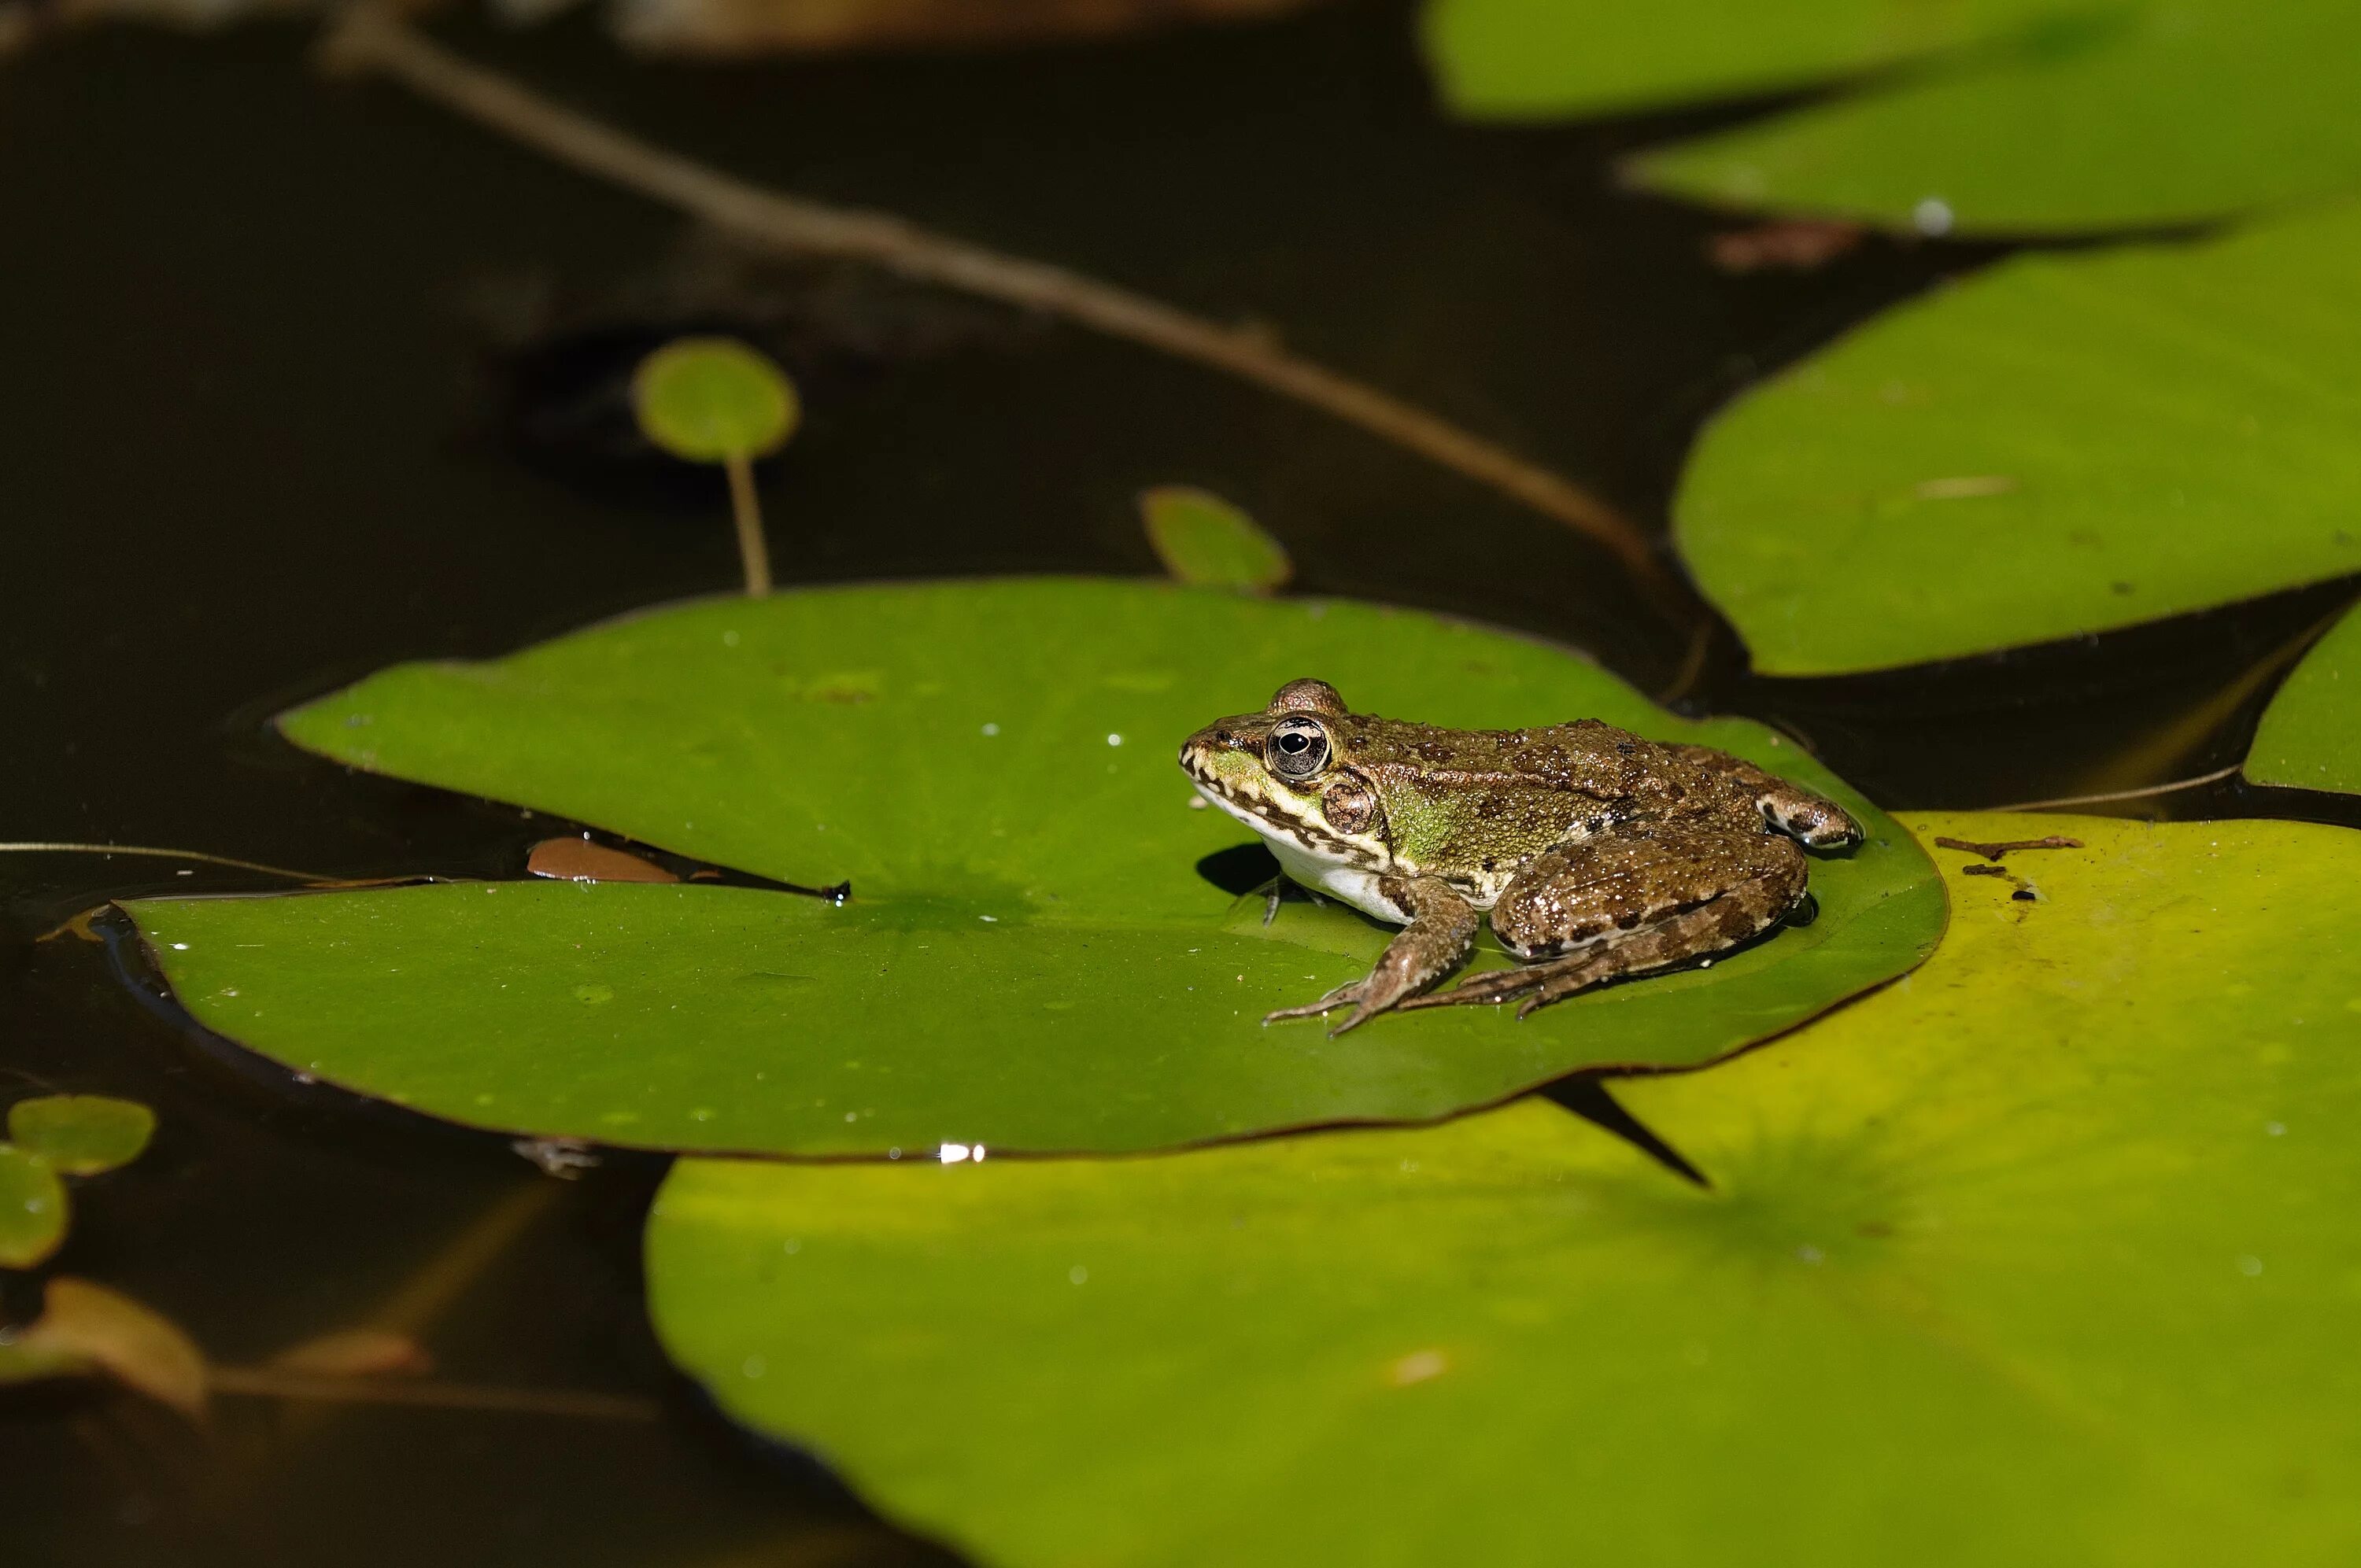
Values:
[(1595, 854)]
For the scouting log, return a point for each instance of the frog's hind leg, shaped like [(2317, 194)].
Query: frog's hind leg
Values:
[(1597, 911), (1690, 934)]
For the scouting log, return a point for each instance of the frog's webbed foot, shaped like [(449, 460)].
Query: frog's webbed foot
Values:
[(1366, 998), (1442, 926), (1345, 995)]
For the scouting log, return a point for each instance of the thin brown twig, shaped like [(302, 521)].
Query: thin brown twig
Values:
[(365, 37), (1995, 850), (2216, 776), (150, 852)]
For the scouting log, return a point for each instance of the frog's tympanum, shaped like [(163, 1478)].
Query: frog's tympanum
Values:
[(1598, 853)]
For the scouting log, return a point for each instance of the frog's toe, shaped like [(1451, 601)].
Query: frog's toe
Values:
[(1343, 996), (1361, 1013)]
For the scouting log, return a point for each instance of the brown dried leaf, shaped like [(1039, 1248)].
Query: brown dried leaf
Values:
[(578, 860), (1794, 245)]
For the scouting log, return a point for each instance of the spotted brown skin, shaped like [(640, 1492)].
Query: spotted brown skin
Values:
[(1596, 852)]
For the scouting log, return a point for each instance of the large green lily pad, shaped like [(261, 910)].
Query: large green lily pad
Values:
[(1535, 59), (2063, 444), (2310, 734), (2043, 1256), (1030, 958), (2134, 116)]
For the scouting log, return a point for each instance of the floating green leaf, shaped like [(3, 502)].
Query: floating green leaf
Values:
[(1030, 958), (1534, 58), (707, 400), (32, 1361), (2044, 1256), (1202, 539), (2310, 735), (82, 1135), (2063, 444), (2134, 116), (32, 1208)]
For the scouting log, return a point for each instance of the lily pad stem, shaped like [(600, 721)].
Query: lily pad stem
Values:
[(2142, 793), (747, 507)]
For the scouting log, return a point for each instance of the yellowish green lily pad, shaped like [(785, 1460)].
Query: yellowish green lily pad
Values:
[(2064, 444), (2043, 1256), (1045, 946), (82, 1135), (2310, 735)]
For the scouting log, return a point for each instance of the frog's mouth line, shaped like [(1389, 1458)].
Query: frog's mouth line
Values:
[(1314, 841)]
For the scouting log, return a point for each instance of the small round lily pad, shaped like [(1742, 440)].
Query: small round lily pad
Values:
[(82, 1135), (707, 400), (1205, 539)]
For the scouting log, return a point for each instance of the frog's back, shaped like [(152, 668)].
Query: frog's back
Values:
[(1473, 805), (1585, 757)]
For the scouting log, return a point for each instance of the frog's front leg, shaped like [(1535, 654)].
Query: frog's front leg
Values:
[(1630, 902), (1442, 926)]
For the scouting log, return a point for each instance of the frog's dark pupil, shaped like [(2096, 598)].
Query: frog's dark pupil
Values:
[(1298, 749)]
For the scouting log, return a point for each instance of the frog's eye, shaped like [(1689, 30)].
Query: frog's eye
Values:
[(1299, 748)]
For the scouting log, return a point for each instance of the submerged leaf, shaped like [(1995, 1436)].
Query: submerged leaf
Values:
[(1203, 540), (2061, 445), (2310, 735), (356, 1352), (86, 1324), (2043, 1257), (33, 1207), (1040, 950), (82, 1135)]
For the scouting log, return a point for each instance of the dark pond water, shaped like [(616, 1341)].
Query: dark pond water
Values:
[(301, 380)]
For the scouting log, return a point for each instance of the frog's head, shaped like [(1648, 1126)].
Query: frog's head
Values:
[(1289, 772)]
